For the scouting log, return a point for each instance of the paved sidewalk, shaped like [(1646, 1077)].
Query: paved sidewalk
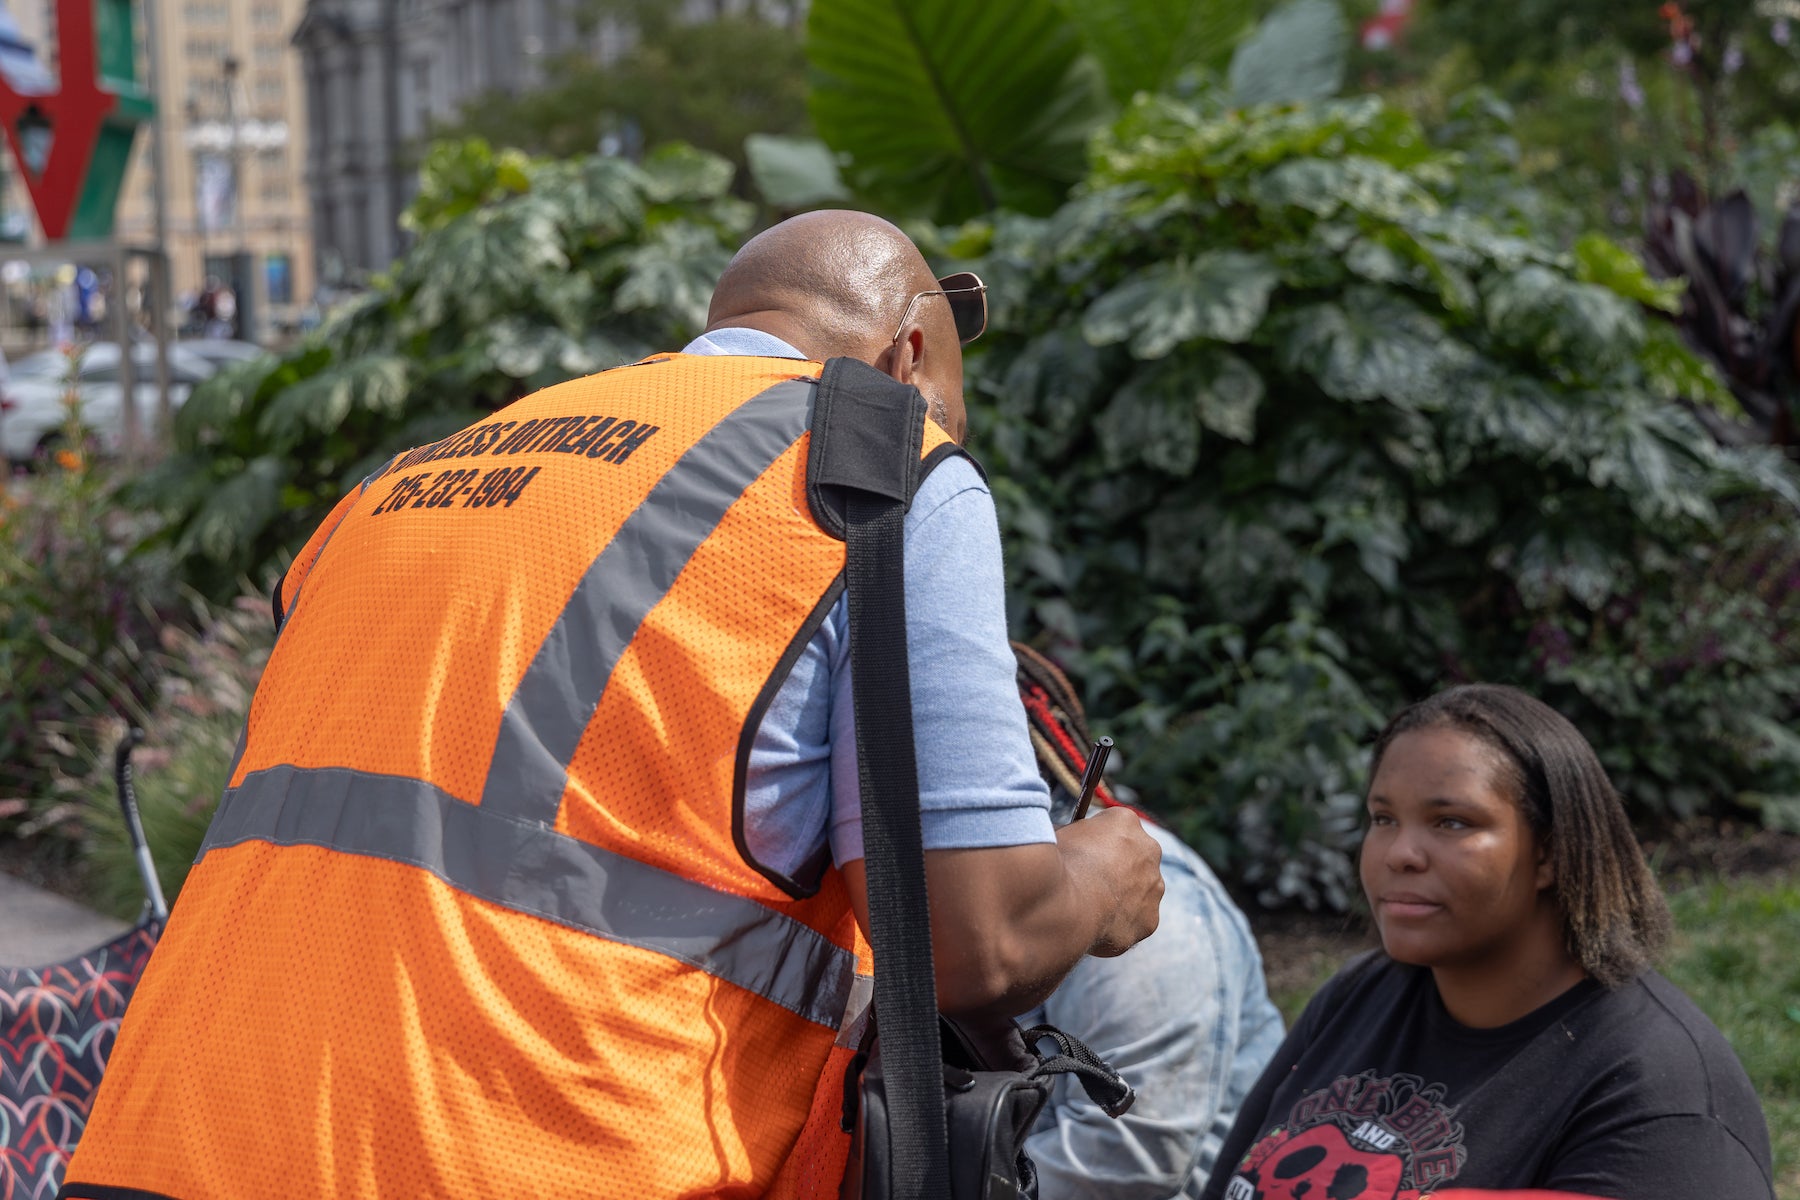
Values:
[(38, 928)]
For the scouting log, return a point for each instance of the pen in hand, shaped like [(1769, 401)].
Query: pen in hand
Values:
[(1090, 778)]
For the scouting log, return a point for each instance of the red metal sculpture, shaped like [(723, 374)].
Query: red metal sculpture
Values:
[(77, 114)]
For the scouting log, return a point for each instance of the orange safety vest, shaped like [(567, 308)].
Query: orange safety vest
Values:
[(476, 916)]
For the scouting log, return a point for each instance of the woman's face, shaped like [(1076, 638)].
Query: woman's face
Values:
[(1451, 869)]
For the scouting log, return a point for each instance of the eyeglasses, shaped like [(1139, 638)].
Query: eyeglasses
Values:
[(968, 304)]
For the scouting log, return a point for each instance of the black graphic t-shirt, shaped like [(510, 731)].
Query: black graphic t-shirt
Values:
[(1379, 1094)]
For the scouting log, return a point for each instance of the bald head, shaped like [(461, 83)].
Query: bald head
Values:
[(836, 283)]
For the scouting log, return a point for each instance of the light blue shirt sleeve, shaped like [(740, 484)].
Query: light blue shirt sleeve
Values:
[(1185, 1017), (978, 779)]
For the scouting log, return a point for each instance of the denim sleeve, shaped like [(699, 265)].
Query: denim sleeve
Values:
[(1185, 1017)]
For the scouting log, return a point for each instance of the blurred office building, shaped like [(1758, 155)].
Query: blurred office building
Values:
[(381, 73), (230, 87)]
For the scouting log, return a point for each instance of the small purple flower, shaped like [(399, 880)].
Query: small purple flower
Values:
[(1629, 89), (1734, 59), (1682, 53), (1781, 31)]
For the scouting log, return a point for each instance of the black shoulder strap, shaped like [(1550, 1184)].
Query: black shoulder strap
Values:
[(862, 469), (867, 434)]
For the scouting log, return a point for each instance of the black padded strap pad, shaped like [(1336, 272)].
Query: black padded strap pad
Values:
[(867, 432)]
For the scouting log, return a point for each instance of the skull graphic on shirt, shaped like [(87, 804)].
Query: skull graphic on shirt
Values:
[(1321, 1164)]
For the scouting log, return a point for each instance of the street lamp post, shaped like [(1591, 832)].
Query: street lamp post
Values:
[(160, 299), (226, 143), (202, 226), (240, 255)]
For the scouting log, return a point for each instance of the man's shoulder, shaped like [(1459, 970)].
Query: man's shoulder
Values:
[(952, 491), (1191, 881), (1179, 855)]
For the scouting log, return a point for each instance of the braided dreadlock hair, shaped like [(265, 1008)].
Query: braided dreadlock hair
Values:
[(1059, 731)]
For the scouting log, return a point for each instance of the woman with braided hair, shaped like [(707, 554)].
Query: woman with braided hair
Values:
[(1185, 1016)]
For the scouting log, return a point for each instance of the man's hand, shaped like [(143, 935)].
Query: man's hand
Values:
[(1110, 852), (1008, 923)]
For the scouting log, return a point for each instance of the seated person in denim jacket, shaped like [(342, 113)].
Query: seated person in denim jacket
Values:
[(1184, 1016)]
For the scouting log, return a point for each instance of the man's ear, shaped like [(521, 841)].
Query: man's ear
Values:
[(904, 361)]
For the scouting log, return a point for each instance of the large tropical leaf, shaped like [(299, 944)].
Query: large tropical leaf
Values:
[(1582, 327), (1144, 44), (602, 197), (793, 172), (1325, 186), (677, 173), (1297, 53), (459, 176), (1373, 345), (1221, 294), (949, 109), (489, 263), (236, 511), (671, 272), (376, 383)]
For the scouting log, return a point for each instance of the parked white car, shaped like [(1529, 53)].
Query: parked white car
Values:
[(221, 352), (32, 415)]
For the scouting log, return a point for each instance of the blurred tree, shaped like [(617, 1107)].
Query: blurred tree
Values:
[(1613, 96), (710, 83), (1539, 31)]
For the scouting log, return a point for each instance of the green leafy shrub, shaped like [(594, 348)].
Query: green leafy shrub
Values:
[(1288, 438), (76, 607), (1711, 655), (1276, 740), (526, 273)]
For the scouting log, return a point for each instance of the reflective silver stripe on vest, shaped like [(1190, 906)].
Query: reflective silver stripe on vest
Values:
[(561, 688), (529, 869)]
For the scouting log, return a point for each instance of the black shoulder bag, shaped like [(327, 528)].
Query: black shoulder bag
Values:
[(934, 1112)]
